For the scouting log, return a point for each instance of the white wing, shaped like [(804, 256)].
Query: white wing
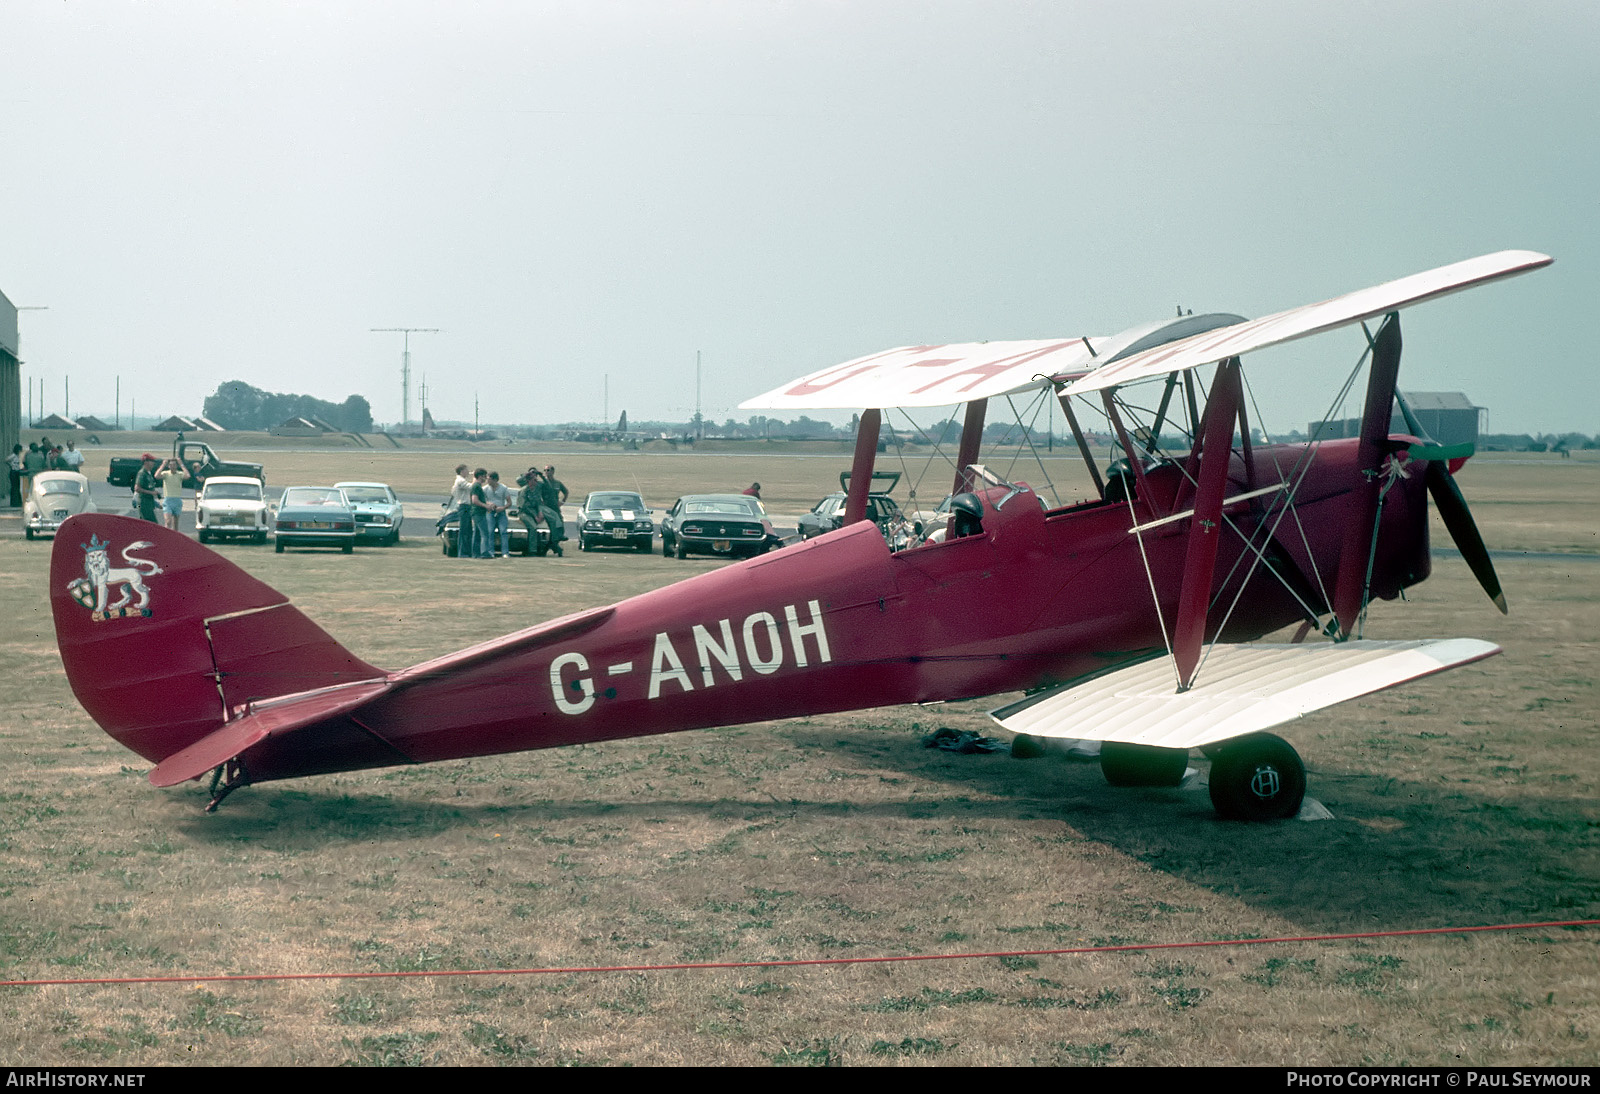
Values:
[(1245, 689)]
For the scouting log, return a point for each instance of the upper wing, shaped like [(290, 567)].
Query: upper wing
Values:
[(912, 376), (1286, 326)]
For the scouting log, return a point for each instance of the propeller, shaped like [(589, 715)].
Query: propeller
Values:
[(1451, 505)]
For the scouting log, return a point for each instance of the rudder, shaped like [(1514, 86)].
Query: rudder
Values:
[(163, 640)]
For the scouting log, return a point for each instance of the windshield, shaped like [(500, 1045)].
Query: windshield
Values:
[(313, 495), (370, 495), (739, 507), (59, 486), (614, 501), (232, 491)]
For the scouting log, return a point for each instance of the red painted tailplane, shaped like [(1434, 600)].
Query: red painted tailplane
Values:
[(163, 638)]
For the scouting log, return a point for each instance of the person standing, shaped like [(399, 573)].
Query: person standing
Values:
[(461, 504), (530, 508), (171, 476), (499, 520), (32, 464), (478, 506), (552, 493), (14, 465), (146, 488), (72, 458)]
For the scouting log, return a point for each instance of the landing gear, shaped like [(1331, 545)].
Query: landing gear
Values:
[(1142, 765), (225, 779), (1257, 778)]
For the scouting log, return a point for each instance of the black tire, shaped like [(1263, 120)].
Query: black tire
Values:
[(666, 548), (204, 536), (644, 546), (1259, 777), (348, 548), (28, 533), (678, 549), (394, 538), (278, 546), (260, 538), (1142, 765), (1026, 747), (527, 546)]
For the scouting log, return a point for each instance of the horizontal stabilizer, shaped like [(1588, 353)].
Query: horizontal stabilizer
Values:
[(1240, 689), (264, 719)]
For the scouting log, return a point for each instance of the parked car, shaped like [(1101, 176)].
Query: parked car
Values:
[(899, 530), (315, 516), (615, 518), (55, 496), (732, 525), (379, 513), (229, 505)]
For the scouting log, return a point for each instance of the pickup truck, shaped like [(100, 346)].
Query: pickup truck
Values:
[(197, 456)]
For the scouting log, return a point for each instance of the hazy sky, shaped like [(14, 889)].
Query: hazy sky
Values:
[(205, 191)]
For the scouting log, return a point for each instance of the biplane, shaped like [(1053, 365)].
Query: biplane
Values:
[(1130, 618)]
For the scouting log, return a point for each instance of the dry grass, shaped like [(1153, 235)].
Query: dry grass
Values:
[(1466, 799)]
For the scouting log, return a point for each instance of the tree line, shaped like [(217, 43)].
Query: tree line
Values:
[(237, 405)]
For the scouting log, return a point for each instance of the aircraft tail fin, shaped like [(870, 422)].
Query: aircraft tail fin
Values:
[(164, 640)]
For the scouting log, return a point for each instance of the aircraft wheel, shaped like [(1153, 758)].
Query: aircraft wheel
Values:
[(1257, 778), (1025, 746), (1142, 765)]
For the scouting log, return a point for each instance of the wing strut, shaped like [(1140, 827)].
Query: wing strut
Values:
[(971, 440), (1205, 529), (1083, 445), (855, 506)]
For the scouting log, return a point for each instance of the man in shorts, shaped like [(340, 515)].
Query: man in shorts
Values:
[(171, 476)]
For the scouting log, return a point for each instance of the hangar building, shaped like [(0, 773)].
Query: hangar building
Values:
[(10, 377), (1448, 416)]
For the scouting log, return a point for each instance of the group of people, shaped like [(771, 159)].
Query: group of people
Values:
[(482, 504), (41, 455)]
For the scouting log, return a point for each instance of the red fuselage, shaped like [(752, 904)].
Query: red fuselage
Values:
[(840, 623)]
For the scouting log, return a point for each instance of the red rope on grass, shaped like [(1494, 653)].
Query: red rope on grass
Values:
[(792, 964)]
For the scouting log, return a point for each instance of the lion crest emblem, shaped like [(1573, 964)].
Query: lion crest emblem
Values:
[(93, 590)]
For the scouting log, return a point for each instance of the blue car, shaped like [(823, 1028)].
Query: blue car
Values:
[(315, 516)]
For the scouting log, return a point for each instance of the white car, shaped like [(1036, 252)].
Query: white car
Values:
[(379, 513), (231, 506), (55, 496)]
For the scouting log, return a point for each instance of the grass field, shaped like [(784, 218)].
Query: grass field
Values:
[(1469, 798)]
